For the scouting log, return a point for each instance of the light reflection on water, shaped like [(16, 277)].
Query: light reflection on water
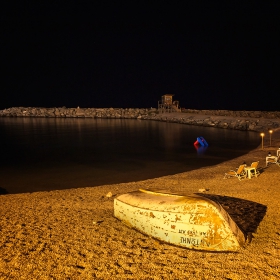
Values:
[(57, 153)]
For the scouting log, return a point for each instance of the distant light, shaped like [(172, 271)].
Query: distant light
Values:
[(270, 132), (262, 135)]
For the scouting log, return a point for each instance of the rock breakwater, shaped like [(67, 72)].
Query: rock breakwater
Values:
[(239, 120)]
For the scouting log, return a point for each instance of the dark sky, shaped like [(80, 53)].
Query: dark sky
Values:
[(208, 56)]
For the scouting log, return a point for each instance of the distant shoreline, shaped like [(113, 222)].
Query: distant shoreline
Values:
[(238, 120)]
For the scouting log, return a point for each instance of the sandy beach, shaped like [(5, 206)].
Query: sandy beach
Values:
[(73, 234)]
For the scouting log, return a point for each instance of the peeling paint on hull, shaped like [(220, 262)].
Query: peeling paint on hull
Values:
[(193, 221)]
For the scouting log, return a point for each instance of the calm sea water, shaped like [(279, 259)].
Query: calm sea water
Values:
[(41, 154)]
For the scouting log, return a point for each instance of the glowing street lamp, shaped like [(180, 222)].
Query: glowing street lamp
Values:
[(270, 132), (262, 135)]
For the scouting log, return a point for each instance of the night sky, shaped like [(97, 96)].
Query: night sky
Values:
[(208, 56)]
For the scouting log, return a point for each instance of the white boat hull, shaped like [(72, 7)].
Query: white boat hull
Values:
[(193, 222)]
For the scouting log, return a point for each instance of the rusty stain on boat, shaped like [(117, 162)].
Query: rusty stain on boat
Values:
[(190, 221), (152, 215)]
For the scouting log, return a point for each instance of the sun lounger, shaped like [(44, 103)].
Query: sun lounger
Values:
[(240, 173)]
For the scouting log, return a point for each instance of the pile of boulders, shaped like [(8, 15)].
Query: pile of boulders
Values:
[(227, 113), (227, 122), (240, 120), (78, 112)]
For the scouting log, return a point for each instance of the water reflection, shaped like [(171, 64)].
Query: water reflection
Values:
[(200, 150), (57, 153)]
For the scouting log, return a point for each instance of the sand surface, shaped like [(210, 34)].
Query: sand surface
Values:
[(72, 234)]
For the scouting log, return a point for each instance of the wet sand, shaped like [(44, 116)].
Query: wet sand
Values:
[(72, 234)]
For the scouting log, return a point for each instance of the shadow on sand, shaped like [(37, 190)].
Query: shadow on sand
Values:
[(246, 214)]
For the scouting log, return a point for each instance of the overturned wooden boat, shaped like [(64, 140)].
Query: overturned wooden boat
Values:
[(190, 221)]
